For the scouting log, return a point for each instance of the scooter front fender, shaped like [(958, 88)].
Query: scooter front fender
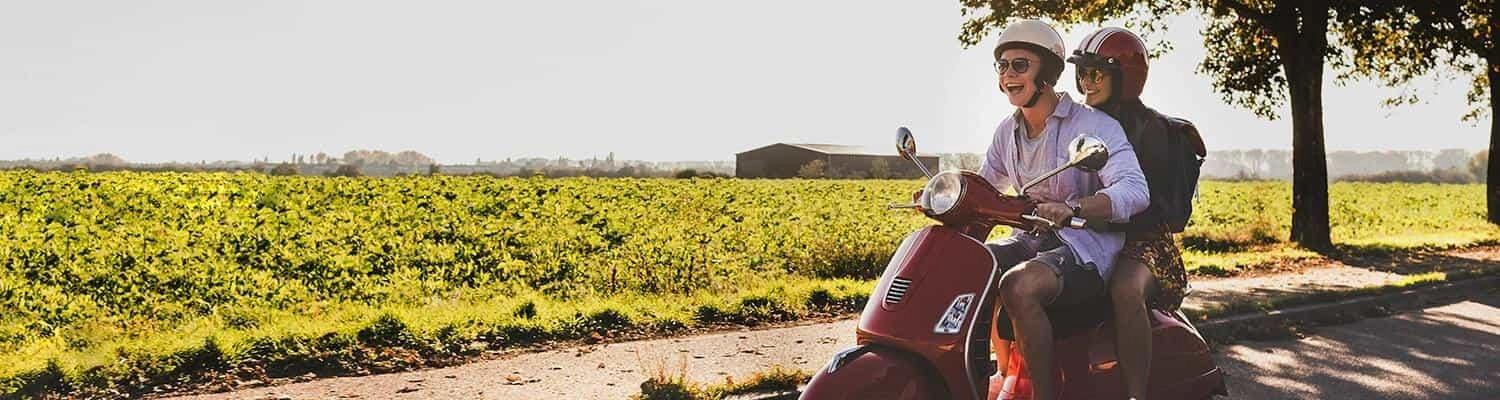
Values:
[(875, 372)]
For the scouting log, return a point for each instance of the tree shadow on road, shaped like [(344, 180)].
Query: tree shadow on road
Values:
[(1451, 352), (1407, 262)]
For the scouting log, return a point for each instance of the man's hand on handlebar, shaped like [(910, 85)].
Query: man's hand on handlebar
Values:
[(1058, 213)]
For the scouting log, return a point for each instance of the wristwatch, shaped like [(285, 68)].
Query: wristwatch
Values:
[(1077, 209)]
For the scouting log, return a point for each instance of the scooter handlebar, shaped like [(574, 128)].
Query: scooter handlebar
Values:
[(1074, 222)]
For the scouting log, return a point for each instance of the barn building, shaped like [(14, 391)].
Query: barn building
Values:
[(784, 160)]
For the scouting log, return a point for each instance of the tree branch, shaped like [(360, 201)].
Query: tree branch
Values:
[(1245, 11), (1459, 31)]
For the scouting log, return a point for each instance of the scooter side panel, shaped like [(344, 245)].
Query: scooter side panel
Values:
[(879, 373), (942, 265)]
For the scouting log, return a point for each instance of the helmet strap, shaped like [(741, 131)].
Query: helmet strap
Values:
[(1034, 96)]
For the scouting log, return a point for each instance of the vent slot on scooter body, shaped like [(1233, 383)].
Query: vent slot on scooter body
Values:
[(897, 291)]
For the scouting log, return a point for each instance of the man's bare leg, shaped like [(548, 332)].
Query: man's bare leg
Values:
[(1007, 253), (1025, 290)]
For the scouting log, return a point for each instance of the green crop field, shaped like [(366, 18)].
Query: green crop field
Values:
[(142, 278)]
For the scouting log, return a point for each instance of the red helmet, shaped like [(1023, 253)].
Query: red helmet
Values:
[(1118, 51)]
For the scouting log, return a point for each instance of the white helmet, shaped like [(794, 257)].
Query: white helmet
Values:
[(1039, 37)]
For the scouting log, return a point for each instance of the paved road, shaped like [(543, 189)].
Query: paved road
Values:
[(612, 371), (1447, 352)]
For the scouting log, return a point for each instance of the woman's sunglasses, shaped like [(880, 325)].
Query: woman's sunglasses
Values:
[(1020, 65), (1090, 74)]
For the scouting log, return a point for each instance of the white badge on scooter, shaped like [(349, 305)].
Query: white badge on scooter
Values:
[(953, 319)]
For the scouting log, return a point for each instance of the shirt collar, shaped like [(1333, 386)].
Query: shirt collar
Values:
[(1065, 106)]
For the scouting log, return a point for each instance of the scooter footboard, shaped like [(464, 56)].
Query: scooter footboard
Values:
[(875, 372)]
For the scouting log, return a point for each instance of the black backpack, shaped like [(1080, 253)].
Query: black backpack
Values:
[(1180, 185)]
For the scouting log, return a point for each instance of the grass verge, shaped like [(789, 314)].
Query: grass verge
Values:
[(437, 334), (672, 384)]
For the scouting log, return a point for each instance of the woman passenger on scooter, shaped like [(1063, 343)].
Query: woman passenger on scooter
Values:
[(1110, 67)]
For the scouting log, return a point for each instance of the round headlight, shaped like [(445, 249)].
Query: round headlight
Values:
[(942, 192)]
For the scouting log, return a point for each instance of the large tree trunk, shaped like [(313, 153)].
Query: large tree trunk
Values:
[(1492, 178), (1303, 43)]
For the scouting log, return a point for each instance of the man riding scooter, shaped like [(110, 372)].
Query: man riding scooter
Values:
[(1053, 267)]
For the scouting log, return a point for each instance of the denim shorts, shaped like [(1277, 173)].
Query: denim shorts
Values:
[(1077, 282), (1080, 303)]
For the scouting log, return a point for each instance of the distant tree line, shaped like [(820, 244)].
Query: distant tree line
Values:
[(404, 163), (1445, 166), (1474, 171)]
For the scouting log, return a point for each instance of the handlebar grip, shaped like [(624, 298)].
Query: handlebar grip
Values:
[(1038, 220)]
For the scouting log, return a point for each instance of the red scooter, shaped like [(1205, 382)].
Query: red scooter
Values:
[(925, 332)]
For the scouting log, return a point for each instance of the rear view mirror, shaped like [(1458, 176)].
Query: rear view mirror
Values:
[(906, 143), (1088, 153), (1085, 152)]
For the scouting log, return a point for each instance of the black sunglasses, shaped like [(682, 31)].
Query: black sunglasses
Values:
[(1020, 65)]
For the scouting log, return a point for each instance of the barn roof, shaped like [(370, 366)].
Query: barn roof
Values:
[(840, 149)]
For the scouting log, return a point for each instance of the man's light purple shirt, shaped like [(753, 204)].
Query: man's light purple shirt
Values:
[(1121, 179)]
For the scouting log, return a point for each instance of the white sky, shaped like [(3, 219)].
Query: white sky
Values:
[(651, 80)]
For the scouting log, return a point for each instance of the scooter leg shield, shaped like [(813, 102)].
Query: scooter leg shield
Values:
[(873, 372)]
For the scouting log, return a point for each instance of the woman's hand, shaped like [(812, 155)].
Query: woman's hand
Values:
[(1058, 213)]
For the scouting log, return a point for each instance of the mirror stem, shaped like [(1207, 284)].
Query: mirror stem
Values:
[(1049, 174), (920, 166)]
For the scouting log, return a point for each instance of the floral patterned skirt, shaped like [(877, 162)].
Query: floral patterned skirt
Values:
[(1159, 253)]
